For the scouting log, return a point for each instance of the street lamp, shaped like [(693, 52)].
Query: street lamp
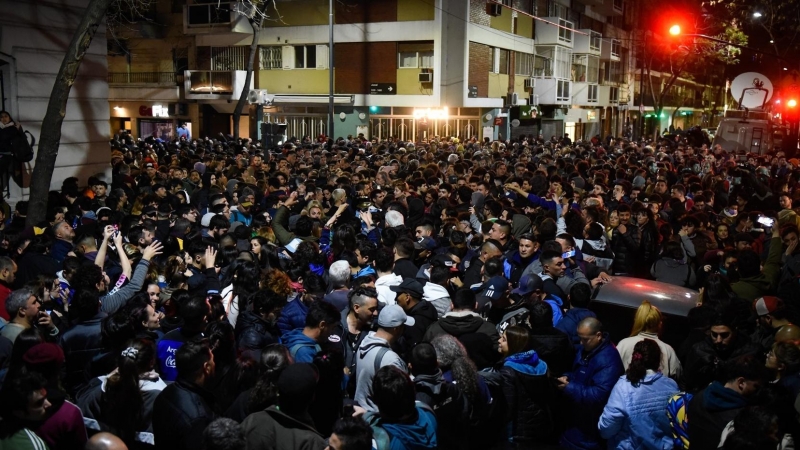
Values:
[(675, 30), (757, 15)]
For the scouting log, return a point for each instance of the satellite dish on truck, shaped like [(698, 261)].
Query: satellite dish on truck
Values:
[(752, 90)]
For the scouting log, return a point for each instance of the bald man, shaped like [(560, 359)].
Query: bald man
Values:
[(105, 441)]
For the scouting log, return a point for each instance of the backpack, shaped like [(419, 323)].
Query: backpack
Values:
[(295, 348), (22, 148)]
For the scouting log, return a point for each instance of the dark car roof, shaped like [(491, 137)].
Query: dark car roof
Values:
[(630, 292)]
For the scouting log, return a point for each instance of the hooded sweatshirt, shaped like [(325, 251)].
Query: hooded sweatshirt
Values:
[(460, 323), (365, 367), (385, 295), (418, 435), (439, 296), (302, 348), (710, 411)]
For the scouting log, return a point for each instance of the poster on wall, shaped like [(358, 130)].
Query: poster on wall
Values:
[(488, 132), (362, 129)]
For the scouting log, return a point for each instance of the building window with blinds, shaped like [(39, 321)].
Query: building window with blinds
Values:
[(523, 64), (415, 55)]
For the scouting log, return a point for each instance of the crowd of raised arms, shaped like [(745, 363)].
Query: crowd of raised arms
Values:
[(358, 294)]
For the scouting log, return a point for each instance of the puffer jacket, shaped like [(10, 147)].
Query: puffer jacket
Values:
[(253, 332), (554, 347), (180, 414), (591, 380), (704, 362), (647, 248), (634, 417), (293, 316), (529, 396), (625, 251)]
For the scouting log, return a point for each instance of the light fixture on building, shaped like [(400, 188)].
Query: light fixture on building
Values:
[(428, 113)]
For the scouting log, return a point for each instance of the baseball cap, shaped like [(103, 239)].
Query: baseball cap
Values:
[(206, 220), (425, 243), (767, 304), (528, 284), (394, 316), (495, 288), (444, 260), (409, 286)]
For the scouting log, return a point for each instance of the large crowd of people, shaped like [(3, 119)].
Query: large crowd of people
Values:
[(359, 293)]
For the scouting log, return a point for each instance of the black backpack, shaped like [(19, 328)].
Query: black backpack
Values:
[(22, 148)]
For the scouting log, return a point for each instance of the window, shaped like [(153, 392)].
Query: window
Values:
[(270, 58), (542, 66), (523, 64), (594, 42), (562, 91), (592, 69), (303, 57), (591, 95), (230, 58), (415, 55), (564, 31), (500, 61), (613, 95), (615, 45)]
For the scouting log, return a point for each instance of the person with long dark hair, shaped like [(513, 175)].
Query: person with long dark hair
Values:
[(527, 388), (122, 401), (274, 358), (634, 416), (242, 279)]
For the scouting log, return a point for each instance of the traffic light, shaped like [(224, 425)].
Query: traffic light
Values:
[(675, 30), (792, 103)]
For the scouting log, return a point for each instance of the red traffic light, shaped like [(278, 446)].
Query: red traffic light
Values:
[(791, 103), (675, 30)]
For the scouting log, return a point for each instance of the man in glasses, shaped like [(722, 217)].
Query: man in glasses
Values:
[(722, 343)]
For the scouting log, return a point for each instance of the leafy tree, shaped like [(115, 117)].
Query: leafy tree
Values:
[(705, 41)]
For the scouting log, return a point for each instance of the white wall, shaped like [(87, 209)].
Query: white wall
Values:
[(33, 37)]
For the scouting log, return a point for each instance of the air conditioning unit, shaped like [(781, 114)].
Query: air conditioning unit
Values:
[(530, 83), (494, 9), (426, 77), (257, 96), (512, 99)]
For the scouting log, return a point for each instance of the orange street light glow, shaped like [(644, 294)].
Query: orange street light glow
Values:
[(792, 103), (675, 30)]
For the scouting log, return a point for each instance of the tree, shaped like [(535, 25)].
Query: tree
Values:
[(256, 11), (689, 56), (779, 19), (57, 109)]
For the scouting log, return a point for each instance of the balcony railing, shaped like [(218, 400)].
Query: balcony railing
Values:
[(210, 82), (141, 78)]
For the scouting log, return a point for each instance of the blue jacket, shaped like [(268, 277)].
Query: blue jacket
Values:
[(634, 417), (569, 323), (416, 436), (591, 380), (302, 348), (293, 316)]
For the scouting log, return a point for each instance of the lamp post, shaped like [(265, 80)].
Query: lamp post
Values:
[(330, 70)]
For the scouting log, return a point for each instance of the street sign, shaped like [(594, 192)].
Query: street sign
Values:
[(498, 121), (383, 88), (473, 92)]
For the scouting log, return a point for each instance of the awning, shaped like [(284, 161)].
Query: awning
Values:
[(310, 99)]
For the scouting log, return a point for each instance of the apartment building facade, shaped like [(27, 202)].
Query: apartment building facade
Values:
[(411, 69)]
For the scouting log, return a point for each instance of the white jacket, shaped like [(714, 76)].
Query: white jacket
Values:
[(382, 285), (670, 365), (437, 295)]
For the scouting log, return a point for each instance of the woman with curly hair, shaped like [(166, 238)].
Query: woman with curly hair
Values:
[(241, 280)]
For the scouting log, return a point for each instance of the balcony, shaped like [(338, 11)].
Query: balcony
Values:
[(546, 34), (672, 101), (589, 43), (142, 78), (214, 84)]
